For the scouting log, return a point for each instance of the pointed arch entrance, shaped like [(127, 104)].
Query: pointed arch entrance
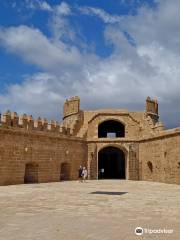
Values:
[(111, 163)]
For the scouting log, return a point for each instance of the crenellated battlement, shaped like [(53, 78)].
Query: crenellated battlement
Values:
[(10, 119), (38, 150)]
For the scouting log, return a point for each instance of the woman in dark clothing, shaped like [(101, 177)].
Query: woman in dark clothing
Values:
[(80, 173)]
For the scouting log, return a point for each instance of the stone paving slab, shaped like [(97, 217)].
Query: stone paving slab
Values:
[(95, 210)]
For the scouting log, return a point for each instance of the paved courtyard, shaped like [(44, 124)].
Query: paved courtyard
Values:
[(96, 210)]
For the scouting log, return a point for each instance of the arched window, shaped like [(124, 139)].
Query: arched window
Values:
[(111, 129)]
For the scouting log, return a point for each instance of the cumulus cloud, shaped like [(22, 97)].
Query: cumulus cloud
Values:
[(156, 25), (124, 79), (34, 47), (36, 91)]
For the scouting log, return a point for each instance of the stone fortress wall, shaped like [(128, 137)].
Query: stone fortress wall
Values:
[(159, 157), (41, 151), (146, 142), (36, 145)]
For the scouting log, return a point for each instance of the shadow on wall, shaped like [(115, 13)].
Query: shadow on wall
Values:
[(150, 166)]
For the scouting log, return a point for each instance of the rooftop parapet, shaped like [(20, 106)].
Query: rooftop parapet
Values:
[(6, 118), (23, 122), (14, 119), (53, 126), (27, 122), (30, 120), (45, 123)]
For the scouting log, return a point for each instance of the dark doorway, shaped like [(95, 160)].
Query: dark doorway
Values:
[(111, 129), (31, 173), (65, 171), (111, 163)]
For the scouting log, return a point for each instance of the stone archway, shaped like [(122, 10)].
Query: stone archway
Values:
[(111, 163), (31, 173), (111, 129)]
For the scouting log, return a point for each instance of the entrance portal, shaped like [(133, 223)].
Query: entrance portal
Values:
[(111, 163), (31, 173), (65, 171)]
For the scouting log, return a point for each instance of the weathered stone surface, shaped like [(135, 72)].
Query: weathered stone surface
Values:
[(150, 152), (48, 151), (96, 210)]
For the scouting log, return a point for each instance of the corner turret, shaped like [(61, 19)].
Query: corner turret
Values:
[(71, 106), (152, 109)]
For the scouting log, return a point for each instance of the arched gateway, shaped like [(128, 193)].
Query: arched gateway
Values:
[(111, 163), (31, 173), (65, 171)]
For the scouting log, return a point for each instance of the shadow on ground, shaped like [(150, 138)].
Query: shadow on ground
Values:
[(108, 193)]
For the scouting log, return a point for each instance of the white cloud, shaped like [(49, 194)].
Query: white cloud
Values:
[(63, 9), (45, 6), (38, 5), (36, 48), (107, 18), (59, 24), (124, 79), (36, 91)]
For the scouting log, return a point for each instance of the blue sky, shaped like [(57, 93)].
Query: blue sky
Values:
[(110, 53)]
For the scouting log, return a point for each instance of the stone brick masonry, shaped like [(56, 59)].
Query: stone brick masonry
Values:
[(41, 151)]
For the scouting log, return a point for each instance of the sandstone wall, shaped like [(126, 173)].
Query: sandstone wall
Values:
[(131, 125), (137, 124), (71, 106), (159, 157), (47, 150)]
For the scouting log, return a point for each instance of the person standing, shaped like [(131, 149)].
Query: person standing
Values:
[(80, 173), (84, 174), (102, 172)]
